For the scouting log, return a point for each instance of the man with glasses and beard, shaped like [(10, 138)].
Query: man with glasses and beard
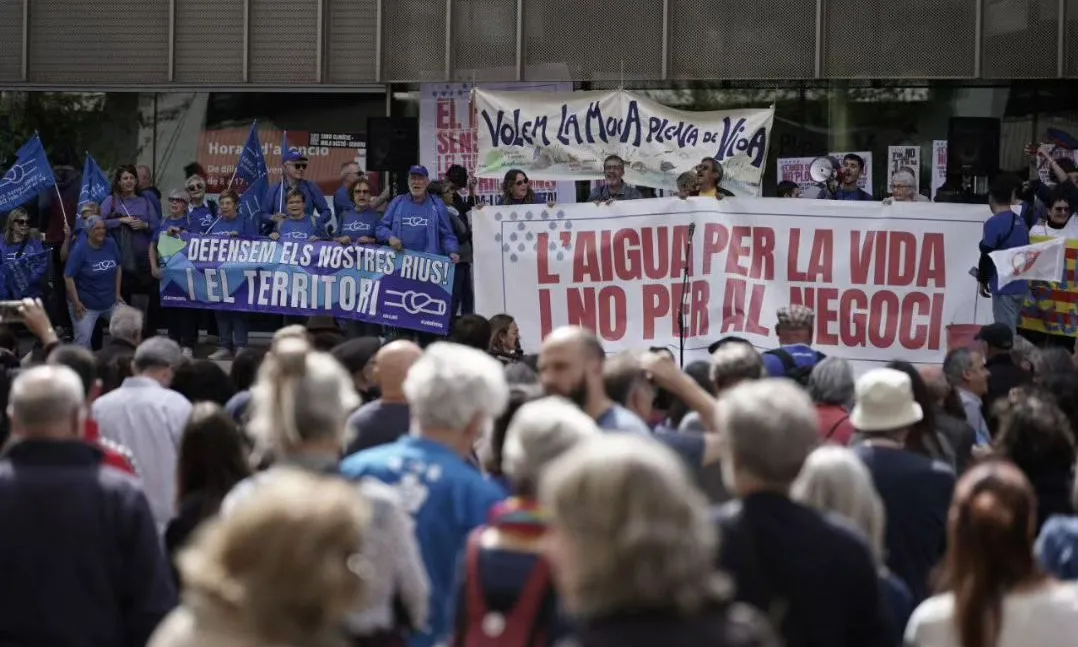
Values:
[(614, 188), (295, 168), (710, 173)]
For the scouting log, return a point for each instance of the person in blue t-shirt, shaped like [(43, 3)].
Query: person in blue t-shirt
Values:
[(232, 325), (17, 243), (92, 277), (454, 393), (201, 210), (359, 224), (182, 323), (297, 225), (419, 221), (795, 357), (1005, 229), (295, 167), (853, 167)]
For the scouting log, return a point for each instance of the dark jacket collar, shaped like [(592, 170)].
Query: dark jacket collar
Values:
[(121, 344), (72, 453)]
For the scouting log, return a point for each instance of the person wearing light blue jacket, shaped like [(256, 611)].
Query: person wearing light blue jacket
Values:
[(419, 221)]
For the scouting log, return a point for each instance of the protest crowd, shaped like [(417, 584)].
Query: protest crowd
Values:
[(362, 482)]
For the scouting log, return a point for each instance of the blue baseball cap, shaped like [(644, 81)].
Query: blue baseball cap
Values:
[(418, 170), (293, 155)]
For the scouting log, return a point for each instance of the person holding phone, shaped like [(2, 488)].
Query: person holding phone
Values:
[(92, 277)]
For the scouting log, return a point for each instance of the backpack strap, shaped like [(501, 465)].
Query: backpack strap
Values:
[(788, 361), (835, 426)]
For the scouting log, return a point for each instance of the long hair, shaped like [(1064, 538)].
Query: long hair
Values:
[(989, 548), (124, 168), (212, 457), (10, 225), (508, 184), (499, 328), (922, 437)]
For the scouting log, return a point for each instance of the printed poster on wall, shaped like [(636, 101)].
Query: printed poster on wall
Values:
[(884, 281), (566, 136), (904, 157), (448, 135), (796, 170), (939, 165)]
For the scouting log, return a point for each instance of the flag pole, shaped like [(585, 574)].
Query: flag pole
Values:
[(280, 198), (63, 211)]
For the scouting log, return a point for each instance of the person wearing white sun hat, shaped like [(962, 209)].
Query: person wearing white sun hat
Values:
[(915, 489)]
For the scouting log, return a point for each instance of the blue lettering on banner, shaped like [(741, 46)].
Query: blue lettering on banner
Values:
[(368, 283)]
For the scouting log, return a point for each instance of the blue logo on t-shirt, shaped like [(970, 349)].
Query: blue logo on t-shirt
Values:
[(102, 266), (356, 225), (414, 221), (296, 235)]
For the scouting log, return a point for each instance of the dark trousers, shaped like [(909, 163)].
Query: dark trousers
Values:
[(132, 285), (182, 324), (463, 291), (56, 298)]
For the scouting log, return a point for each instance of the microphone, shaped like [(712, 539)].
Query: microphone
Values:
[(692, 229), (684, 305)]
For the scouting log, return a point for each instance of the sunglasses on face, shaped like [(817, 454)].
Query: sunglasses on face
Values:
[(522, 182), (195, 187), (20, 222), (300, 165)]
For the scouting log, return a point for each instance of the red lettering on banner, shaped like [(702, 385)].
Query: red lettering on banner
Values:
[(735, 316), (821, 257), (736, 250), (663, 300), (860, 255), (898, 259), (761, 255), (605, 312), (628, 255), (914, 321), (657, 253), (445, 115), (586, 259), (715, 239), (677, 252), (656, 305), (546, 320), (699, 299), (542, 261), (933, 265)]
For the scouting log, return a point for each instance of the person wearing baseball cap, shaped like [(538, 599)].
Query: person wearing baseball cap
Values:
[(294, 164), (1003, 373), (795, 357), (419, 221)]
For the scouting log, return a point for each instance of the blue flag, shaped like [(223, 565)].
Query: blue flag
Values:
[(27, 177), (252, 164), (95, 184), (22, 277), (251, 201)]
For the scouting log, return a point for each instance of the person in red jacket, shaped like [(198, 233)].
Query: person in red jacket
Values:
[(82, 361)]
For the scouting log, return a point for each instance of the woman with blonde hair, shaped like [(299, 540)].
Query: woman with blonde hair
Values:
[(282, 569), (834, 480), (298, 414), (994, 593), (20, 242), (505, 595), (631, 548)]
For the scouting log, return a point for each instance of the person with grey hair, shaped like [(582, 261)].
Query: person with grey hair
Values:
[(915, 489), (298, 416), (904, 187), (731, 364), (148, 418), (831, 387), (688, 184), (1024, 354), (503, 569), (454, 394), (631, 547), (967, 372), (125, 334), (815, 577), (835, 481), (949, 416), (76, 531)]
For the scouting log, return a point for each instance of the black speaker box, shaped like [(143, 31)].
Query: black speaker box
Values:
[(973, 146), (392, 143)]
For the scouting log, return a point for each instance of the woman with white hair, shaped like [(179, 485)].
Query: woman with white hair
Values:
[(831, 388), (904, 187), (454, 394), (631, 548), (835, 481), (282, 569), (298, 413), (506, 595)]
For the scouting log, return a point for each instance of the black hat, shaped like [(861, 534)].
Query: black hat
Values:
[(996, 335)]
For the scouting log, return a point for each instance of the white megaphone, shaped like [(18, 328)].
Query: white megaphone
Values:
[(824, 169)]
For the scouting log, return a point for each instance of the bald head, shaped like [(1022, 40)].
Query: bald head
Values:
[(581, 338), (571, 366), (391, 365), (934, 378), (47, 402)]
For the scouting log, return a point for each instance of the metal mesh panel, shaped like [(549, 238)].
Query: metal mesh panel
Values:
[(1070, 40), (484, 40), (209, 41), (592, 41), (910, 39), (284, 38), (732, 39), (100, 42), (413, 40), (10, 40), (351, 40), (1020, 38)]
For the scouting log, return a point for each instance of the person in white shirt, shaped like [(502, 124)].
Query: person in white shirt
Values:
[(994, 591), (148, 418), (1058, 221)]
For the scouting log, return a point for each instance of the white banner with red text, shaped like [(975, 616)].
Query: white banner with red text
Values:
[(886, 282)]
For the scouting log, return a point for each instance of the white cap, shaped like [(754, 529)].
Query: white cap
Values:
[(884, 401)]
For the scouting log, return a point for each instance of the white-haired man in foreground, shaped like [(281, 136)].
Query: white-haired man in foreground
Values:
[(454, 394)]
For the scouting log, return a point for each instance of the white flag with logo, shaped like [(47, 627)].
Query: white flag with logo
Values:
[(1037, 262)]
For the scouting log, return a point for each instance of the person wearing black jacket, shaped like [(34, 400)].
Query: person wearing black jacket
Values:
[(81, 559), (1003, 373)]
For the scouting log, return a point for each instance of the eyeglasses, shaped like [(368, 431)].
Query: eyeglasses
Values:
[(196, 187), (299, 165)]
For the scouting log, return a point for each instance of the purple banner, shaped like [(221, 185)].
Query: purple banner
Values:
[(364, 282)]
